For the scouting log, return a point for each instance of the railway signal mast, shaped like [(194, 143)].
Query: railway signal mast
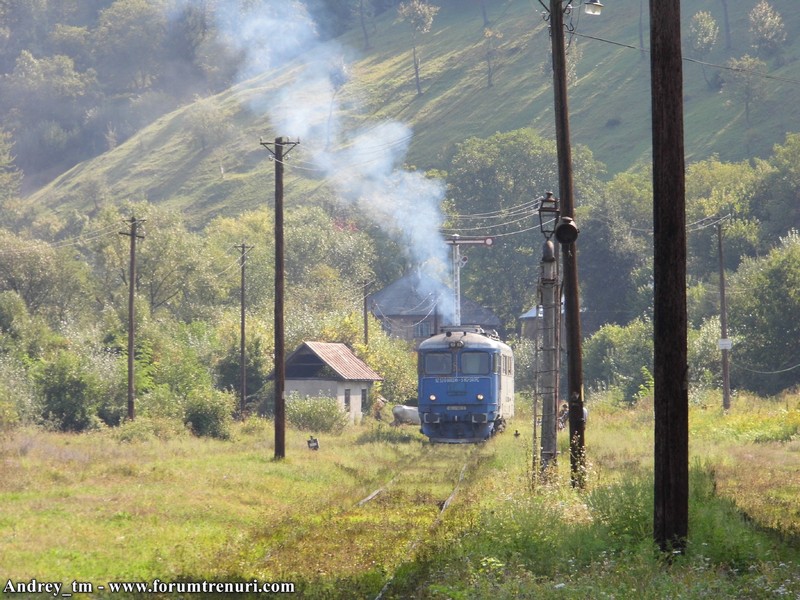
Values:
[(457, 241)]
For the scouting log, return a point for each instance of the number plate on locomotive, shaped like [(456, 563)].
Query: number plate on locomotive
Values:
[(456, 408)]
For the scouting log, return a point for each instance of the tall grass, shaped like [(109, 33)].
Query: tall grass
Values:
[(146, 501), (510, 541)]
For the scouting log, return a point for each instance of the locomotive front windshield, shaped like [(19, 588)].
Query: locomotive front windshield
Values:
[(470, 363), (438, 363), (475, 363)]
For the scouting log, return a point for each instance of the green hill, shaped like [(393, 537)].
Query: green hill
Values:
[(205, 159)]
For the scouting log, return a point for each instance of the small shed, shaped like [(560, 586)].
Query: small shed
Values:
[(330, 369)]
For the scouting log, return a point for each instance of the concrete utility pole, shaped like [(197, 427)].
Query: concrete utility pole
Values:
[(724, 342), (134, 235), (671, 393), (242, 347), (279, 152), (567, 234), (551, 303)]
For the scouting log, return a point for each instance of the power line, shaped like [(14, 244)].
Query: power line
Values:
[(106, 231), (491, 225), (778, 372), (500, 212), (693, 60)]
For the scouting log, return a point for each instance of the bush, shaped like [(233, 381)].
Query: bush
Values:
[(620, 357), (19, 402), (146, 428), (208, 413), (8, 415), (161, 402), (315, 414), (256, 426), (69, 391)]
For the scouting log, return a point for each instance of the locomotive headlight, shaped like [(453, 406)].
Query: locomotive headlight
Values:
[(479, 397), (432, 397)]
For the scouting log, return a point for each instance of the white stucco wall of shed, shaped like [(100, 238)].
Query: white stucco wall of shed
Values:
[(310, 388)]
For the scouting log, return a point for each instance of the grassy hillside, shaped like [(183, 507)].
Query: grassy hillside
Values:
[(609, 106)]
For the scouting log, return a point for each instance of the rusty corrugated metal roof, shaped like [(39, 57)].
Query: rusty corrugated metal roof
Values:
[(341, 359)]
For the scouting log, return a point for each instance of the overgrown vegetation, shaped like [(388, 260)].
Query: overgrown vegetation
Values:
[(505, 533), (315, 414)]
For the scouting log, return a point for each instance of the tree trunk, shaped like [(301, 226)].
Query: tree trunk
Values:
[(726, 20), (363, 25), (416, 71)]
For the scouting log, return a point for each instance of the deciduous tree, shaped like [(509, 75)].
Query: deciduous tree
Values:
[(419, 14), (767, 32), (703, 34), (745, 82), (764, 319)]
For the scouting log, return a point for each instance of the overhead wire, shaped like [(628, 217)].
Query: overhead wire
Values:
[(500, 212), (66, 243), (489, 226), (692, 60), (777, 372)]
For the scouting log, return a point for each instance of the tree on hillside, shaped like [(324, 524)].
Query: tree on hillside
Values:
[(703, 33), (253, 228), (419, 14), (715, 190), (764, 318), (727, 23), (45, 100), (767, 32), (50, 281), (129, 41), (777, 197), (616, 251), (10, 176), (493, 184), (745, 81), (188, 33), (177, 273), (492, 38), (365, 12)]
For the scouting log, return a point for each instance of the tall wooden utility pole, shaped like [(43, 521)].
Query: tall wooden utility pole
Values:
[(724, 342), (566, 234), (134, 235), (242, 347), (279, 152), (365, 311), (671, 395)]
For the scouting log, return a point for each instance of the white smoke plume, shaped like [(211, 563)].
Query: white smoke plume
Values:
[(365, 167)]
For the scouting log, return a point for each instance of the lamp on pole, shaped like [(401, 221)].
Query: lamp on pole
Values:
[(567, 233)]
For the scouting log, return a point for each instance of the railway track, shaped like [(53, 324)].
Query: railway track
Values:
[(380, 531)]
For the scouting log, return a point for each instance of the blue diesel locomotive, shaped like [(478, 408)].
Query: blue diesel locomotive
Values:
[(466, 385)]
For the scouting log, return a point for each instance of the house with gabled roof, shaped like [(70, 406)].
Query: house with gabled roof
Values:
[(415, 306), (330, 369)]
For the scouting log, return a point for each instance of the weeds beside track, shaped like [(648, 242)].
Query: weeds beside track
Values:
[(365, 540)]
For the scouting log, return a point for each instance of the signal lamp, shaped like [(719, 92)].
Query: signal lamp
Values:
[(592, 7)]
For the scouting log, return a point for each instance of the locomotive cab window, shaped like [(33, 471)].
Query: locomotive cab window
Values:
[(438, 363), (475, 363)]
